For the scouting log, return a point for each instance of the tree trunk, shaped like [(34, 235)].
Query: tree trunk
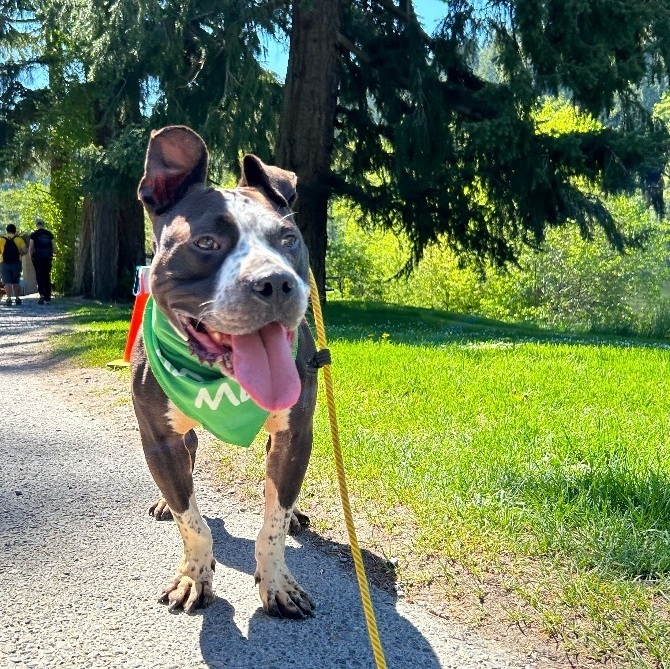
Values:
[(104, 247), (83, 283), (110, 247), (130, 227), (306, 128)]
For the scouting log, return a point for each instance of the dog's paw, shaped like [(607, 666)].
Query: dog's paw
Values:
[(160, 510), (283, 597), (189, 593), (297, 522)]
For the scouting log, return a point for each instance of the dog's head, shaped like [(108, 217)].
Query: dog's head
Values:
[(230, 269)]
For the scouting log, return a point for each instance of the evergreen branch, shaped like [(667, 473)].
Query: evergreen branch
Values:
[(356, 118), (392, 8), (26, 21), (341, 186), (12, 65), (348, 45), (458, 99), (406, 16)]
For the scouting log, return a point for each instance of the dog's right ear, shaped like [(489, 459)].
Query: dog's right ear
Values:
[(176, 159)]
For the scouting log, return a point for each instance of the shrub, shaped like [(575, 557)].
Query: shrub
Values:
[(572, 283)]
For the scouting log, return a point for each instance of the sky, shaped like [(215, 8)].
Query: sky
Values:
[(430, 12)]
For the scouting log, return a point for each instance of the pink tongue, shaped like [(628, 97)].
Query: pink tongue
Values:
[(265, 368)]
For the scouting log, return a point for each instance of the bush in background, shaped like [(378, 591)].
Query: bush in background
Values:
[(572, 283)]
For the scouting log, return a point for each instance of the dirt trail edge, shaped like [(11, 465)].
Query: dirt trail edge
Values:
[(82, 561)]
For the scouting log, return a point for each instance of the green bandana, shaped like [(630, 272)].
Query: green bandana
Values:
[(201, 392)]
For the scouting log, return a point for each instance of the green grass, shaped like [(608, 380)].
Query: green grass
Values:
[(514, 446), (100, 336), (535, 456)]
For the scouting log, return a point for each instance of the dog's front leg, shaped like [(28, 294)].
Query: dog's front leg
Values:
[(170, 466), (169, 448), (287, 459), (191, 586)]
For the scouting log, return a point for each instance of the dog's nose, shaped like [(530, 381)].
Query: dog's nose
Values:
[(276, 287)]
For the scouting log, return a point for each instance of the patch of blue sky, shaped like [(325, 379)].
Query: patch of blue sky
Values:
[(429, 12)]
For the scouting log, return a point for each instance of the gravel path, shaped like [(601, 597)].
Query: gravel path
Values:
[(82, 561)]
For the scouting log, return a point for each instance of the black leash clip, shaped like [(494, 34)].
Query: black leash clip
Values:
[(320, 359)]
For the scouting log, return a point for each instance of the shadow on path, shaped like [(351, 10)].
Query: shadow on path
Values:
[(335, 637)]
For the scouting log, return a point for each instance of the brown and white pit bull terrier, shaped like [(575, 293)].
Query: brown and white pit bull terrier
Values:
[(230, 287)]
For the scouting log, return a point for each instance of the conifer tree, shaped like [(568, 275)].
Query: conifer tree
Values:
[(373, 109), (422, 143)]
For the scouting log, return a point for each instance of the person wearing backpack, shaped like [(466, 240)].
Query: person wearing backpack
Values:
[(12, 247), (41, 249)]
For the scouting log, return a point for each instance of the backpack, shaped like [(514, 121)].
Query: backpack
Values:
[(10, 253), (43, 245)]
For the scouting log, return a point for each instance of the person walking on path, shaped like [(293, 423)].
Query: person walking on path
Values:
[(41, 249), (12, 247)]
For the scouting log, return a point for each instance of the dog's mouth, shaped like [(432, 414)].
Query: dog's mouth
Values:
[(261, 362)]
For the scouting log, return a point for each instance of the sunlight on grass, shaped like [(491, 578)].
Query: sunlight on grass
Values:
[(507, 444), (538, 456), (99, 337)]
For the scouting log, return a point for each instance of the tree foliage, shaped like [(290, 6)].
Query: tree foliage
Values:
[(570, 282), (428, 145), (419, 139)]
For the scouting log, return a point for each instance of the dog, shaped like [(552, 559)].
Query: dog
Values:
[(229, 291)]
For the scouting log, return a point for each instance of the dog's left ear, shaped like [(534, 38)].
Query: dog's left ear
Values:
[(176, 159), (279, 185)]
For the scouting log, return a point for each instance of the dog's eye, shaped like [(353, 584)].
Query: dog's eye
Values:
[(289, 241), (207, 244)]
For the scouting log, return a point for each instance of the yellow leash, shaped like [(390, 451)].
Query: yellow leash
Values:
[(373, 632)]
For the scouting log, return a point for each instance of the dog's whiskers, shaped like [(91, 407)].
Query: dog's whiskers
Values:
[(204, 313)]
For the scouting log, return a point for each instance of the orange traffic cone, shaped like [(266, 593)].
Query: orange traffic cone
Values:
[(142, 293), (141, 296)]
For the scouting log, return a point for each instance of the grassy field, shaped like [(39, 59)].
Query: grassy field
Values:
[(534, 463), (100, 335)]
